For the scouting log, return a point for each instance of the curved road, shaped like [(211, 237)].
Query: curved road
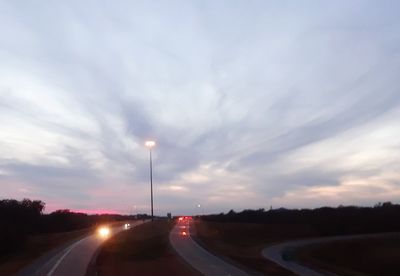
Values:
[(197, 256), (275, 253), (74, 258)]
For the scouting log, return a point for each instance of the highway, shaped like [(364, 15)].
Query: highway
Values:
[(196, 256), (72, 259)]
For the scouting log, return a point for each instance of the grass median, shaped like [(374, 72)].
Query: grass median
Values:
[(243, 242), (366, 256), (36, 246), (142, 250)]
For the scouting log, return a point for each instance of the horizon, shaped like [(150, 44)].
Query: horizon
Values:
[(271, 208), (250, 105)]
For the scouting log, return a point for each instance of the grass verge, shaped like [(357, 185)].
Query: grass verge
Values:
[(142, 250), (36, 246), (369, 256), (243, 242)]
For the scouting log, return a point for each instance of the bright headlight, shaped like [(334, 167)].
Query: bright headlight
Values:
[(104, 232)]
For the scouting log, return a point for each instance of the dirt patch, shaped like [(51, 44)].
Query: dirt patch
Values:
[(369, 256), (143, 250), (243, 242)]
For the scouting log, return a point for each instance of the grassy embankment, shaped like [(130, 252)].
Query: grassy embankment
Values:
[(40, 244), (36, 246), (369, 256), (243, 242), (142, 250)]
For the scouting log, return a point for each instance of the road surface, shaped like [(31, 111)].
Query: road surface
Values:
[(277, 252), (72, 259), (197, 256)]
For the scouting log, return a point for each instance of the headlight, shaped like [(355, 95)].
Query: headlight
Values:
[(103, 232)]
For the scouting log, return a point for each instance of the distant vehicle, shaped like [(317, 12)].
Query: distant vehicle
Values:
[(103, 231), (186, 218)]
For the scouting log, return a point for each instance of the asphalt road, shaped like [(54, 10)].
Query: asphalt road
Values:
[(72, 259), (278, 252), (197, 256)]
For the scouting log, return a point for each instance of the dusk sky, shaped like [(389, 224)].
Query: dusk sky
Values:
[(252, 104)]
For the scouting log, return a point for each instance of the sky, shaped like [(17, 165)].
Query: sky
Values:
[(252, 104)]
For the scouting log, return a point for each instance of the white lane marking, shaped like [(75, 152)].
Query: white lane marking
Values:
[(72, 246), (68, 249)]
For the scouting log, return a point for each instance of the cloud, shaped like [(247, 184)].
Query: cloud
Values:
[(250, 103)]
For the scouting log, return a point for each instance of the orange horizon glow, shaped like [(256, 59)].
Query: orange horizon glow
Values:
[(97, 212)]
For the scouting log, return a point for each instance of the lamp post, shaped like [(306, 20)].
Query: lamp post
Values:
[(201, 209), (151, 144)]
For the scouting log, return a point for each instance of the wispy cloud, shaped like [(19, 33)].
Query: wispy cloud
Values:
[(251, 104)]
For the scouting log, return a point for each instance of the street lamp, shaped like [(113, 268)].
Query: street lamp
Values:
[(199, 206), (151, 144)]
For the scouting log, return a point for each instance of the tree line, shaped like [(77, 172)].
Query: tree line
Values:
[(383, 217), (19, 219)]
